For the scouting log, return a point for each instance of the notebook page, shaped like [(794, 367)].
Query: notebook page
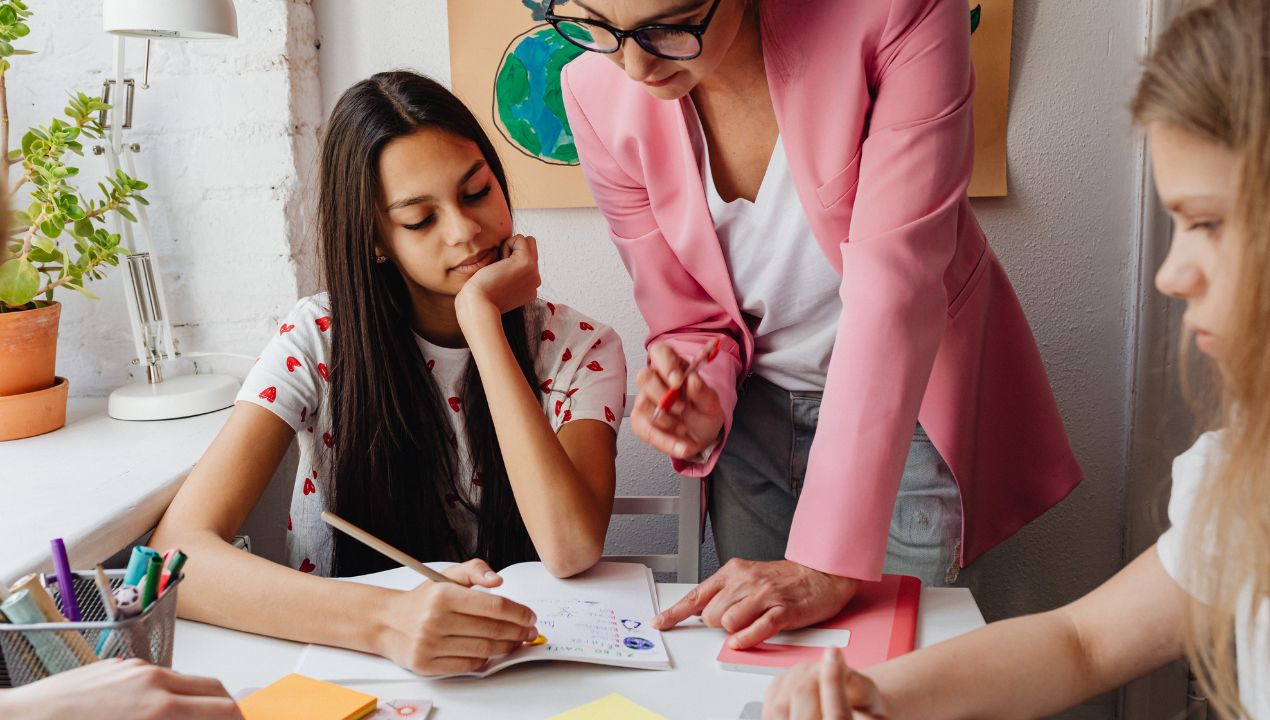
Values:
[(603, 615), (627, 591)]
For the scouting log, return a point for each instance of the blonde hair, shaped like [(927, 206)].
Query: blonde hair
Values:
[(1210, 76)]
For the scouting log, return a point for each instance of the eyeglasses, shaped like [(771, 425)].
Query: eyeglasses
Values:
[(669, 42)]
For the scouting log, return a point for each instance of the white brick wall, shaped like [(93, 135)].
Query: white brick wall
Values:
[(228, 137)]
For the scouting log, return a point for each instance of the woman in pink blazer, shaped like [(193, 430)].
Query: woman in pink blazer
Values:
[(789, 177)]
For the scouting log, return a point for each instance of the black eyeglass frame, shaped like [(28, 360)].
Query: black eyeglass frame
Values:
[(697, 30)]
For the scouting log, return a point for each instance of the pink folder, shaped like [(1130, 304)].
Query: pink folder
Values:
[(881, 619)]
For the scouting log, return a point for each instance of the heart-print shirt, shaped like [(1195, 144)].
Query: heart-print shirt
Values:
[(581, 374)]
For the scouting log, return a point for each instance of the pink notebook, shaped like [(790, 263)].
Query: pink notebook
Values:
[(878, 624)]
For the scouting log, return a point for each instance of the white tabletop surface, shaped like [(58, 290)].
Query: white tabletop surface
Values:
[(695, 689), (97, 483)]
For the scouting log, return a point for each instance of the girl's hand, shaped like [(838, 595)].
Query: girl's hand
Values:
[(691, 424), (442, 628), (120, 689), (505, 284), (826, 689)]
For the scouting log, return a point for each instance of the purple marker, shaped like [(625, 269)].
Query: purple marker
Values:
[(65, 583)]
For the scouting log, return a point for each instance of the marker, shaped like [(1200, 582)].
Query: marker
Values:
[(138, 564), (65, 581), (150, 586), (708, 353), (173, 561)]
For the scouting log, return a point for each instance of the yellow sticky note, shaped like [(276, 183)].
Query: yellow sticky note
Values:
[(297, 696), (609, 707)]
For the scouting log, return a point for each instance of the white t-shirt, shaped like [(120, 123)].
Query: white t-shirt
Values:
[(1253, 638), (784, 285), (581, 371)]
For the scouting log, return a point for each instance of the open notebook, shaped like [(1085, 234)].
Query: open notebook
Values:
[(602, 616)]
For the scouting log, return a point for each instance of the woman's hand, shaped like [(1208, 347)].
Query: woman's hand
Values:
[(505, 284), (691, 424), (442, 628), (826, 689), (118, 689)]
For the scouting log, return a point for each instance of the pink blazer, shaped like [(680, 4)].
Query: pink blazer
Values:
[(873, 101)]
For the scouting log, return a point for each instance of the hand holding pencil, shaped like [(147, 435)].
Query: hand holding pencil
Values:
[(675, 411), (444, 627)]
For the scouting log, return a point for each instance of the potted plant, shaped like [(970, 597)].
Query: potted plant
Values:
[(58, 242)]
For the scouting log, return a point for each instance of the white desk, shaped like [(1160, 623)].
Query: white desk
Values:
[(98, 483), (695, 689)]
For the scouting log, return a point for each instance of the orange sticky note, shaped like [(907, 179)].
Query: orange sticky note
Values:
[(297, 696)]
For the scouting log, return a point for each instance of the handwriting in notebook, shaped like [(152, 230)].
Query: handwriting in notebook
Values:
[(586, 626)]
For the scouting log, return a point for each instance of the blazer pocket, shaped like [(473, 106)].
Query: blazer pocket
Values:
[(841, 185)]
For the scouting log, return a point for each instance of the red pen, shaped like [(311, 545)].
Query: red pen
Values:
[(707, 354)]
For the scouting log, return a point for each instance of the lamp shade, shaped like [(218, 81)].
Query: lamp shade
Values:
[(175, 19)]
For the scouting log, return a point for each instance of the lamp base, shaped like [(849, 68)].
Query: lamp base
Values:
[(176, 397)]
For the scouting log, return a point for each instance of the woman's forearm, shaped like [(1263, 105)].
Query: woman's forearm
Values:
[(565, 519), (231, 588), (1037, 665), (1021, 668)]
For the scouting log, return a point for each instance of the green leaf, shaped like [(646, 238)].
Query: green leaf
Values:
[(5, 48), (51, 228), (83, 228), (44, 244), (19, 282), (126, 213)]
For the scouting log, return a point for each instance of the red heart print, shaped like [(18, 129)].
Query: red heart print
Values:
[(304, 413), (476, 480), (595, 366), (547, 335), (431, 364), (288, 521), (307, 567), (285, 328), (568, 415), (567, 356), (315, 473), (586, 326), (292, 363), (597, 343), (552, 308), (327, 440), (309, 487), (608, 414), (571, 392), (454, 404), (322, 372), (546, 385), (310, 428), (323, 323), (559, 404), (270, 393)]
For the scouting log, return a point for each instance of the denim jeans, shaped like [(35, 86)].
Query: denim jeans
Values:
[(755, 487)]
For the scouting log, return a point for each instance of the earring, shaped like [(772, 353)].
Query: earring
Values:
[(380, 259)]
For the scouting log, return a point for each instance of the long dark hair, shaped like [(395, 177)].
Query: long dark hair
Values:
[(393, 466)]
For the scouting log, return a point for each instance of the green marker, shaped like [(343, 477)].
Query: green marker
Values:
[(173, 561), (150, 586)]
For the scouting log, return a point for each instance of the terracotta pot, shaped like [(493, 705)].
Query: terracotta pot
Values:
[(28, 349), (33, 413)]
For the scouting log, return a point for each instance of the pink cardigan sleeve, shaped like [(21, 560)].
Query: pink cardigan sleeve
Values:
[(915, 166), (677, 309)]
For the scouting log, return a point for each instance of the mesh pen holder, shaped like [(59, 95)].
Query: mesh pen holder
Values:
[(33, 652)]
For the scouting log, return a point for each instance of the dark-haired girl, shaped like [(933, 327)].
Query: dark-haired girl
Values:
[(437, 403)]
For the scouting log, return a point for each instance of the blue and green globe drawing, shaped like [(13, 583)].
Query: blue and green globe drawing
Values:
[(528, 105)]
